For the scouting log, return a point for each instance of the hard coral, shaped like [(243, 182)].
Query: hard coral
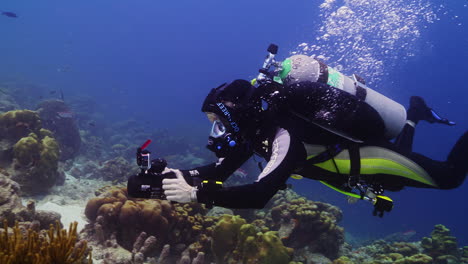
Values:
[(37, 163), (169, 223), (343, 260), (440, 243), (304, 223), (10, 202), (415, 259), (18, 123), (234, 241), (59, 246), (117, 169), (28, 152)]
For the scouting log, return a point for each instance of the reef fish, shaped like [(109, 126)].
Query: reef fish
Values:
[(401, 236), (241, 173), (65, 114), (9, 14)]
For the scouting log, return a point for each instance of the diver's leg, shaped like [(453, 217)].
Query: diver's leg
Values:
[(417, 111), (404, 140), (458, 159), (447, 174)]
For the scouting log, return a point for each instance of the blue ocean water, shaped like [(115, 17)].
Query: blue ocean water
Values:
[(155, 62)]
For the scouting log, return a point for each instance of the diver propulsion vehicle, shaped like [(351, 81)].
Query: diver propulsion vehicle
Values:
[(148, 183), (301, 69)]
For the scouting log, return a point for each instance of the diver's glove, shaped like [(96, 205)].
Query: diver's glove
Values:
[(178, 190), (382, 204)]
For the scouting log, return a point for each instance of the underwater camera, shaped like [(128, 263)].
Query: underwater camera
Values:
[(148, 183)]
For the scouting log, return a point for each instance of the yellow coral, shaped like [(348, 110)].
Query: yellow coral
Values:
[(59, 247), (27, 150), (342, 260), (233, 241), (42, 153)]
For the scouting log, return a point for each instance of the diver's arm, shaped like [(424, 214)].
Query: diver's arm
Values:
[(218, 171), (287, 154)]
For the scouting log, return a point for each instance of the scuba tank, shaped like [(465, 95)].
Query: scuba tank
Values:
[(301, 71)]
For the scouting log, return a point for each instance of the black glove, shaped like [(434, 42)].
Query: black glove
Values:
[(382, 204)]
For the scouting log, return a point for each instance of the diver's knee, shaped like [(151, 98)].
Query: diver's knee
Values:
[(453, 183)]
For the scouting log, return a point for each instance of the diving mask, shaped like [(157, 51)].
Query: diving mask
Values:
[(218, 129), (220, 141)]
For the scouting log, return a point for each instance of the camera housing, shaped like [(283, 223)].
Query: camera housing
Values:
[(148, 183)]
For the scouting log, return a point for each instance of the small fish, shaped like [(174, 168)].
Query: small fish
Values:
[(352, 200), (296, 176), (241, 173), (9, 14), (409, 233), (400, 236), (65, 68), (65, 114), (92, 124)]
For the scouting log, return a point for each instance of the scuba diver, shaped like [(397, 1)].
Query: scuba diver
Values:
[(308, 120)]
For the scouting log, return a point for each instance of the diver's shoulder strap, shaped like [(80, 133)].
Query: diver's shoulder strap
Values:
[(319, 154), (355, 164), (322, 153)]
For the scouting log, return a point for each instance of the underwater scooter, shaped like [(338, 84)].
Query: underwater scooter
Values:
[(148, 183)]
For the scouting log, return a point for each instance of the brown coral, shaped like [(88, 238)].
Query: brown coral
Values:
[(128, 218)]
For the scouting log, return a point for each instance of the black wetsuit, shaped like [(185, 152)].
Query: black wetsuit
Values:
[(286, 155), (286, 137)]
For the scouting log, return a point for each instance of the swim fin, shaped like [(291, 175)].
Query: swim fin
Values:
[(418, 111)]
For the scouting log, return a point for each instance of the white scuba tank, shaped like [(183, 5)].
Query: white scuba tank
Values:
[(302, 68)]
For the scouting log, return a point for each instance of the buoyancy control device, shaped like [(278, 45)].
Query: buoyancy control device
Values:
[(299, 71)]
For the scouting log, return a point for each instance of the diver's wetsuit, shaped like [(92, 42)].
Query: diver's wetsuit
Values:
[(311, 129), (286, 154)]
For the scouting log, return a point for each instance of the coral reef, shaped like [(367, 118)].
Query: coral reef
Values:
[(36, 163), (117, 169), (10, 202), (157, 230), (303, 223), (464, 255), (441, 246), (235, 241), (18, 123), (54, 246), (92, 147), (11, 208), (117, 218), (28, 153), (57, 117)]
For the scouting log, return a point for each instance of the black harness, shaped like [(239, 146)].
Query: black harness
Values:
[(355, 159)]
